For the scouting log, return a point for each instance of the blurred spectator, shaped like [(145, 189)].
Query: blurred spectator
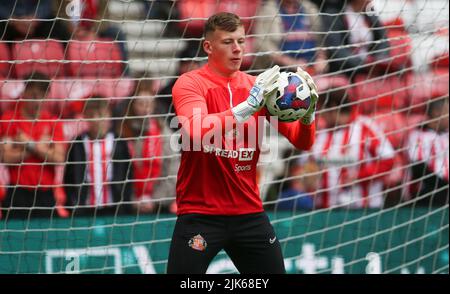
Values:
[(148, 139), (32, 147), (428, 150), (30, 19), (355, 38), (97, 177), (89, 19), (290, 25), (353, 155), (189, 60), (299, 194)]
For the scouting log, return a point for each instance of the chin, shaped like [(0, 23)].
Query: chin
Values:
[(235, 68)]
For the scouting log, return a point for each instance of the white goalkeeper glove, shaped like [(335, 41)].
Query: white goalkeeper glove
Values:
[(310, 115), (266, 83)]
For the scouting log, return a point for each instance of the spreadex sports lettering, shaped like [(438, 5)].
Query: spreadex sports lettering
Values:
[(243, 154)]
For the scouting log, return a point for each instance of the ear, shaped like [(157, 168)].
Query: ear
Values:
[(207, 47)]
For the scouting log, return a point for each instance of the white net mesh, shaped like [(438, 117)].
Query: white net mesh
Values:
[(371, 196)]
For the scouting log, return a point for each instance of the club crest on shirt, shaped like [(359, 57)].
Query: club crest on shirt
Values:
[(198, 243)]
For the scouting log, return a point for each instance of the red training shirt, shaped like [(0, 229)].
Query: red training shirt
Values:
[(221, 180), (33, 171)]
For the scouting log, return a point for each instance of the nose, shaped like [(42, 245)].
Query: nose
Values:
[(237, 48)]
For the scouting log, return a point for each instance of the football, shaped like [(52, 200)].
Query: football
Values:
[(292, 99)]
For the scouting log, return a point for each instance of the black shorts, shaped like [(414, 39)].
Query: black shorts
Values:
[(249, 240)]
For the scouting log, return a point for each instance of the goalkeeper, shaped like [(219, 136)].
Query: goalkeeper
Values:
[(219, 206)]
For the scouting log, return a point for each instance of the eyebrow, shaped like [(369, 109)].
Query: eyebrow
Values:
[(231, 39)]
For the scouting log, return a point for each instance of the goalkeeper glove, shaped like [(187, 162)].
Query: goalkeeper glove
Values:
[(310, 114), (266, 83)]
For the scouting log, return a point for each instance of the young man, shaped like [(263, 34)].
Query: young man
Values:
[(218, 200), (32, 147), (98, 173)]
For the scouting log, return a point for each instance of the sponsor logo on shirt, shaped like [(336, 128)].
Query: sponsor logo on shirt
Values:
[(243, 154)]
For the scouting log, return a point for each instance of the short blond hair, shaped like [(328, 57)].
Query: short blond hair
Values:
[(225, 21)]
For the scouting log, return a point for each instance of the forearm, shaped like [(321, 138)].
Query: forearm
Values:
[(11, 154), (49, 153), (300, 135)]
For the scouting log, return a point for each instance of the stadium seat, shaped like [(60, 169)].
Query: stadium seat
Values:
[(400, 45), (200, 10), (69, 94), (384, 92), (94, 58), (325, 83), (4, 58), (44, 56)]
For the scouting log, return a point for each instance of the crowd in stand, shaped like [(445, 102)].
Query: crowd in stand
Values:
[(104, 149)]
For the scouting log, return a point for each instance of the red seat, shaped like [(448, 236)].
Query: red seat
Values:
[(200, 10), (115, 89), (69, 95), (94, 58), (5, 58), (400, 45), (385, 92), (325, 83), (44, 56)]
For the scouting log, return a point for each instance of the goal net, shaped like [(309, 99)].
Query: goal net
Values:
[(88, 165)]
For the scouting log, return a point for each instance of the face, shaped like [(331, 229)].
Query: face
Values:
[(225, 50), (442, 123), (99, 123), (143, 104), (24, 25), (33, 97)]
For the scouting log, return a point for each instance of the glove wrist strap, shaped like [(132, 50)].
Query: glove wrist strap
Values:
[(243, 111)]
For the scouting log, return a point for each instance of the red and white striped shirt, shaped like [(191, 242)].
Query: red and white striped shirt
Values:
[(432, 148), (359, 149), (99, 169)]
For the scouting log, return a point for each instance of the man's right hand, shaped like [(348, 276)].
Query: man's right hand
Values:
[(265, 84)]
